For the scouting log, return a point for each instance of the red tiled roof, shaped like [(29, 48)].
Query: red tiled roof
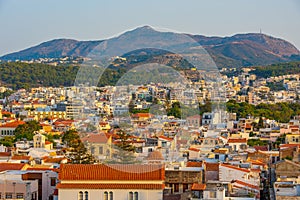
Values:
[(138, 115), (289, 145), (165, 138), (110, 186), (48, 142), (248, 125), (194, 164), (11, 166), (247, 184), (212, 166), (237, 140), (54, 160), (14, 124), (111, 172), (261, 148), (20, 157), (234, 167), (197, 186), (95, 138), (5, 154), (194, 149)]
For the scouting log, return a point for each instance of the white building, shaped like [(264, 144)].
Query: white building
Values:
[(111, 182)]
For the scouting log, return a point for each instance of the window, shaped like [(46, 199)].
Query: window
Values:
[(80, 196), (105, 195), (92, 150), (8, 195), (20, 196), (130, 195), (212, 194), (86, 195), (53, 181), (136, 196), (100, 150), (111, 195)]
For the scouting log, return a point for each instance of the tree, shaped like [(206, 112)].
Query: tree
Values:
[(77, 153), (7, 141), (26, 131), (69, 136), (124, 150)]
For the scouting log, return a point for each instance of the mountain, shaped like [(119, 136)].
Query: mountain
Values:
[(239, 50), (54, 49)]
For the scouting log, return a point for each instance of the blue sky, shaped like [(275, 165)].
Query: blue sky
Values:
[(25, 23)]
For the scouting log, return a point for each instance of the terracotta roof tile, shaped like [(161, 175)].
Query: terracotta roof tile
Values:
[(165, 138), (12, 166), (247, 184), (261, 148), (194, 164), (95, 138), (111, 172), (21, 157), (237, 140), (234, 167), (212, 166), (110, 186), (197, 186), (14, 124), (5, 154)]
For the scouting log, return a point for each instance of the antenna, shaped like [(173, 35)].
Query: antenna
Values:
[(260, 31)]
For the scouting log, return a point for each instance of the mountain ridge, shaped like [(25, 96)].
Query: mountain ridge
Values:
[(249, 49)]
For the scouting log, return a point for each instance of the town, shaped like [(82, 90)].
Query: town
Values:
[(153, 141)]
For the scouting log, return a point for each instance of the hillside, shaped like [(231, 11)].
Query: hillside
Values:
[(239, 50)]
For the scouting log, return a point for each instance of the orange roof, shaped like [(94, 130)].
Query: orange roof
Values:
[(237, 140), (12, 166), (261, 148), (21, 157), (5, 154), (194, 164), (197, 186), (48, 142), (248, 125), (194, 149), (110, 186), (247, 184), (6, 113), (165, 138), (54, 160), (95, 138), (212, 166), (289, 145), (138, 115), (234, 167), (111, 172), (14, 124)]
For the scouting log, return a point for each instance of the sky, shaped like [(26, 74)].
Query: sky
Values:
[(25, 23)]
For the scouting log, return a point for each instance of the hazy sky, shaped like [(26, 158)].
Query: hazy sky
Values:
[(24, 23)]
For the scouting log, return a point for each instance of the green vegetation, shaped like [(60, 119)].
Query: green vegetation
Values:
[(281, 112), (7, 141), (5, 94), (276, 86), (256, 142), (124, 150), (77, 152), (277, 69), (26, 131), (19, 75)]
